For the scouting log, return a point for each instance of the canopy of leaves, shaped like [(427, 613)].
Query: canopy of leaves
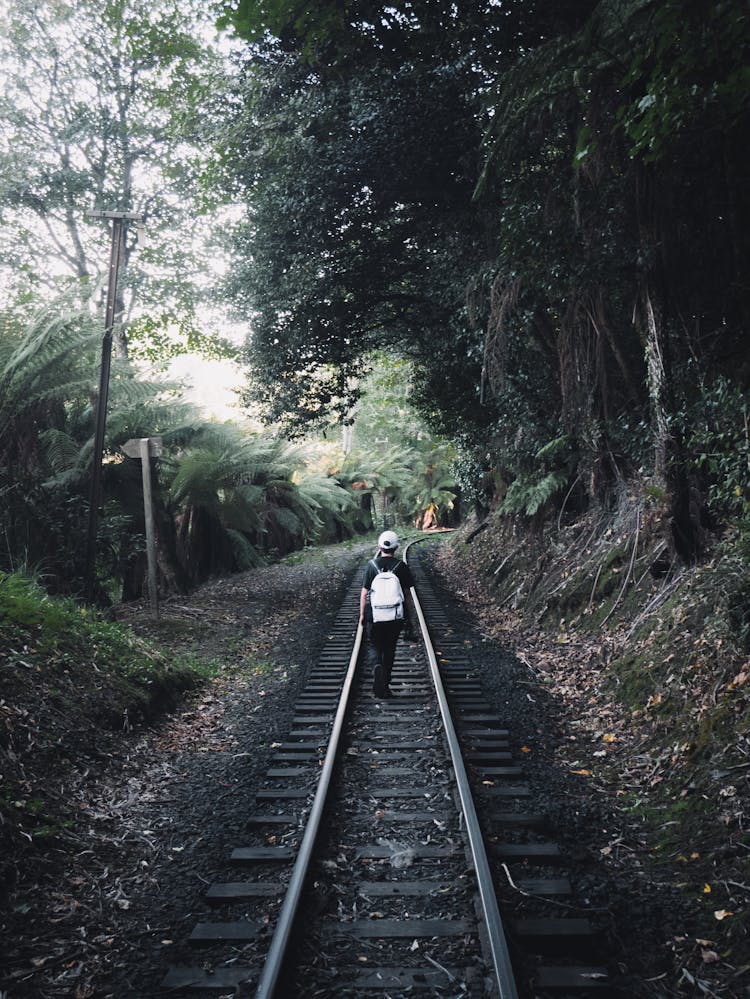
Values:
[(332, 31), (359, 205), (106, 106), (603, 247), (606, 194), (690, 75)]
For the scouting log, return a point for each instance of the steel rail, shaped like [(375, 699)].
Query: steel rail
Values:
[(272, 968), (495, 932), (269, 980)]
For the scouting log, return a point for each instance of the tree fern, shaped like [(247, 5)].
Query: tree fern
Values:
[(42, 366), (228, 494), (528, 494), (250, 486), (245, 554), (63, 451)]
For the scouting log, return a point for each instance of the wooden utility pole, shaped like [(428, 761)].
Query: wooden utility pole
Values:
[(119, 220)]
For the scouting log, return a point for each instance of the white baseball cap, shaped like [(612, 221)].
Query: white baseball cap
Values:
[(388, 542)]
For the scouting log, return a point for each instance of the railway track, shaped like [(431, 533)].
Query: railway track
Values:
[(368, 869)]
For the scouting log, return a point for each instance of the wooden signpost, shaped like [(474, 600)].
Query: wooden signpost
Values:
[(146, 448)]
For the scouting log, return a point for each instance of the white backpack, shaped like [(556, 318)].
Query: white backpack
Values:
[(386, 595)]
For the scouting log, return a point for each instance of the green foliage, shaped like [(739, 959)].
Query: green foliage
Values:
[(160, 338), (515, 208), (24, 604), (237, 496), (68, 678), (223, 498), (560, 456), (335, 506), (362, 233), (528, 494), (40, 365), (559, 447), (359, 190), (556, 355), (385, 415), (131, 92), (46, 376), (738, 609), (288, 19), (334, 32), (474, 476), (691, 74), (400, 462), (716, 429), (606, 194)]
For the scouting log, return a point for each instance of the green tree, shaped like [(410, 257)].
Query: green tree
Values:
[(400, 464), (576, 275), (358, 155), (359, 202), (617, 254), (333, 32), (105, 106)]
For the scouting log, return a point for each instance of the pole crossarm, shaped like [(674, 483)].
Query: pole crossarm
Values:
[(128, 216)]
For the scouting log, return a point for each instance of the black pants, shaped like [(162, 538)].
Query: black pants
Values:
[(382, 637)]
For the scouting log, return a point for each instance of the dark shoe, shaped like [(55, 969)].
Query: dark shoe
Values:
[(384, 694)]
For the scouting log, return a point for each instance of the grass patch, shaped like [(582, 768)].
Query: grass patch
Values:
[(65, 673)]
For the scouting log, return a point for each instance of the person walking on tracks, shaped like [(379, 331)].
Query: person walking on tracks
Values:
[(382, 609)]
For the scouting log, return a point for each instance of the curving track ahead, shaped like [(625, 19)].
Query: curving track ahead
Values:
[(365, 871)]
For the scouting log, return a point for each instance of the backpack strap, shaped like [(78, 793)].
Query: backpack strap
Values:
[(381, 568)]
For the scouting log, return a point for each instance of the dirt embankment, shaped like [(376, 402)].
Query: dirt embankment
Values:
[(648, 662)]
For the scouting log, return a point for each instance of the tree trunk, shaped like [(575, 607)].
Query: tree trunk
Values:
[(657, 386), (670, 464)]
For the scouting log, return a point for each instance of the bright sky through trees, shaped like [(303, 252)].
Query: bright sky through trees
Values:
[(112, 106)]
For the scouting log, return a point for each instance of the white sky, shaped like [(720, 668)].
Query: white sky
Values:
[(210, 385)]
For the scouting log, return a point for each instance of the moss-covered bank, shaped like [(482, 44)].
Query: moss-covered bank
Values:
[(70, 683)]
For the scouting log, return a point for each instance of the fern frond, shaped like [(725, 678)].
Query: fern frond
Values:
[(244, 554), (527, 495), (63, 452)]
